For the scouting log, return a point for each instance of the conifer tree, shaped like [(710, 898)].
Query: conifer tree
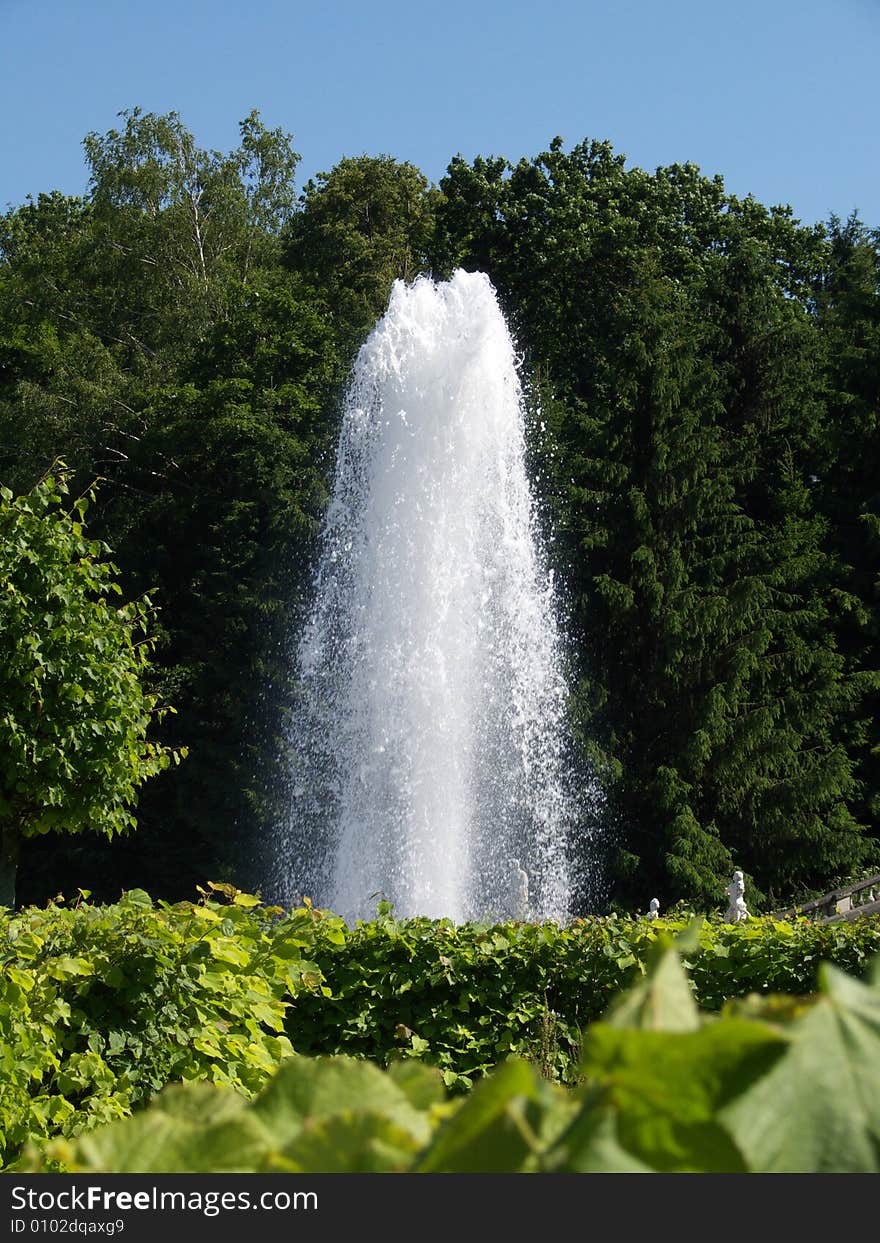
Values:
[(668, 325), (847, 304)]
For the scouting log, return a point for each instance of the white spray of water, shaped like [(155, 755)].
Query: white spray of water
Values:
[(429, 746)]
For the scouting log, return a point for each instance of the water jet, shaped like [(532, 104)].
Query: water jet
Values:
[(430, 744)]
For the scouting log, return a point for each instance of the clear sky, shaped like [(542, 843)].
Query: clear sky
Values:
[(779, 96)]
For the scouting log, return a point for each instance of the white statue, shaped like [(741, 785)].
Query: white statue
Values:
[(653, 908), (518, 891), (737, 912)]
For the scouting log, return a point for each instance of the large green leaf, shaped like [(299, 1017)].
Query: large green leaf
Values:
[(818, 1110), (422, 1085), (196, 1128), (348, 1142), (492, 1131), (663, 1001), (318, 1115), (654, 1096), (315, 1089), (592, 1146)]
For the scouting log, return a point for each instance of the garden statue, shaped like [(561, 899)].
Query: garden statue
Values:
[(737, 912), (653, 908), (518, 898)]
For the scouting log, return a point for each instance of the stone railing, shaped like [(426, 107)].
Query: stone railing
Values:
[(848, 902)]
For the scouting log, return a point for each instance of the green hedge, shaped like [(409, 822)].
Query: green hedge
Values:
[(464, 997), (101, 1006), (772, 1084)]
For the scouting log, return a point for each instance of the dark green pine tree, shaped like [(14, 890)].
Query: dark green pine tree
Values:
[(847, 303), (660, 578), (666, 326), (786, 784)]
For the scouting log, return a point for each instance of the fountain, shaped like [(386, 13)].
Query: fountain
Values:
[(429, 751)]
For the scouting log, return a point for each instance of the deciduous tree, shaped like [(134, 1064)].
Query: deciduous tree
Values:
[(74, 715)]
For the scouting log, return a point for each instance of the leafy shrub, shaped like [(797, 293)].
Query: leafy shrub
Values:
[(73, 745), (772, 1084), (464, 997), (100, 1007)]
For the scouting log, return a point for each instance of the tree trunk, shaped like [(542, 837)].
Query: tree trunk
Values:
[(9, 850)]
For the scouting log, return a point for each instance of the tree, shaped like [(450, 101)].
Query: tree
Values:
[(667, 328), (363, 225), (228, 530), (177, 224), (73, 712), (149, 335), (847, 308)]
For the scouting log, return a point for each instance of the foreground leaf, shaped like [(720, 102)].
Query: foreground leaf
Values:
[(818, 1110), (653, 1096), (491, 1131), (663, 1001)]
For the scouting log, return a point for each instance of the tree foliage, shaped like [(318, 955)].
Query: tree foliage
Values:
[(703, 404), (73, 731), (150, 335), (661, 1087), (363, 225), (671, 330)]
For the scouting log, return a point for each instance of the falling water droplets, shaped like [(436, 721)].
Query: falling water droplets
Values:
[(429, 745)]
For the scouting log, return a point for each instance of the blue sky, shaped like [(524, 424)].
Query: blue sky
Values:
[(779, 96)]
